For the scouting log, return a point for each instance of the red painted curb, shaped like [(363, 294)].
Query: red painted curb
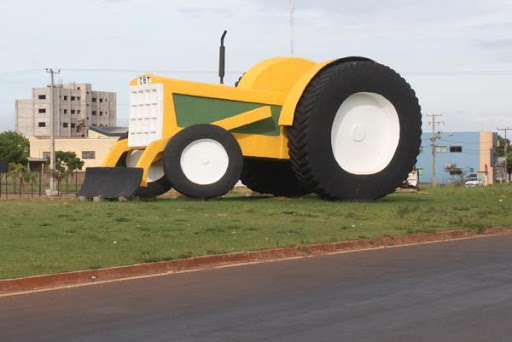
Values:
[(10, 286)]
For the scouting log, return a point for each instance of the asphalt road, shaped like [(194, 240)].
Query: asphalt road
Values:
[(453, 291)]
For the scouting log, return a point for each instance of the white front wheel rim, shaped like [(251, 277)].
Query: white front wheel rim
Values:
[(156, 170), (365, 133), (204, 161)]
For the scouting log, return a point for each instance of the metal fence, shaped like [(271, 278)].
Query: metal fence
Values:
[(18, 186)]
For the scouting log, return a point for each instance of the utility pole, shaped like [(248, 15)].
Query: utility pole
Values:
[(292, 26), (52, 129), (506, 150), (435, 136)]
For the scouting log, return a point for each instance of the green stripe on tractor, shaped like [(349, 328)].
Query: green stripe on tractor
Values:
[(193, 110)]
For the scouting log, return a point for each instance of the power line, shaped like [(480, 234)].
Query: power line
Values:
[(169, 71), (208, 72), (408, 72), (458, 72), (19, 72)]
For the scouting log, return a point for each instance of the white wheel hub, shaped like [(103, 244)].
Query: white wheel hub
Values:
[(365, 133), (204, 161), (156, 170)]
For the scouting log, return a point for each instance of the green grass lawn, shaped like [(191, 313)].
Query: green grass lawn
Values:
[(40, 237)]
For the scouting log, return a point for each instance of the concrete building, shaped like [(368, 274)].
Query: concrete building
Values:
[(92, 149), (469, 152), (76, 107)]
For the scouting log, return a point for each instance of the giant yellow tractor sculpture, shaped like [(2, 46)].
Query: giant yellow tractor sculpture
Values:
[(344, 129)]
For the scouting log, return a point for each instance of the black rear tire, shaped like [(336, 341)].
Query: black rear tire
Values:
[(268, 176), (311, 149)]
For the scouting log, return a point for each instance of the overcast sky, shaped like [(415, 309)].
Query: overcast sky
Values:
[(456, 54)]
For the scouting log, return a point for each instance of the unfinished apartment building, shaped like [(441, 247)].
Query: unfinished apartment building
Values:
[(76, 107)]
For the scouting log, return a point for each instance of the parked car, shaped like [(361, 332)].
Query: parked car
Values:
[(473, 181)]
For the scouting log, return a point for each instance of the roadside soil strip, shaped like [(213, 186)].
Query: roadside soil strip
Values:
[(89, 277)]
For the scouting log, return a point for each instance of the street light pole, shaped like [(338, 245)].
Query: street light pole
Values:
[(52, 128)]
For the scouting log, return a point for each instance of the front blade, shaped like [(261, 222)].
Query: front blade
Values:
[(111, 182)]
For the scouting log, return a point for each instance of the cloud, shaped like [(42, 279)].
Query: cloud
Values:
[(410, 35), (204, 11), (498, 44)]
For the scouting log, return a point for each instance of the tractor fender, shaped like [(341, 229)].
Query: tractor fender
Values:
[(295, 94), (116, 152), (278, 74)]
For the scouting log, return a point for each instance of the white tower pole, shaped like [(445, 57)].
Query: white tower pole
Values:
[(292, 26)]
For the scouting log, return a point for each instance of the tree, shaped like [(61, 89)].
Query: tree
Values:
[(455, 172), (30, 177), (500, 149), (65, 164), (500, 152), (15, 170), (14, 148)]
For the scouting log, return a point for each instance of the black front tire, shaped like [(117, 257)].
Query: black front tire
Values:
[(187, 186)]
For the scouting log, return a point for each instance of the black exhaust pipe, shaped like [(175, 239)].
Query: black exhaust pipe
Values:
[(222, 58)]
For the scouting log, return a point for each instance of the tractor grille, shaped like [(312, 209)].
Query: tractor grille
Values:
[(146, 114)]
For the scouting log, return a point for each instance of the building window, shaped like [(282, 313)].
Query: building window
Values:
[(420, 171), (78, 98), (42, 97), (78, 111), (455, 148), (73, 125), (101, 100), (73, 98), (65, 125), (72, 111), (65, 111), (94, 99), (42, 110), (65, 98), (46, 155), (101, 113), (442, 149), (93, 112), (41, 124), (88, 155)]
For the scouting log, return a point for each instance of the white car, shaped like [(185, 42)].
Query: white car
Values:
[(473, 182)]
